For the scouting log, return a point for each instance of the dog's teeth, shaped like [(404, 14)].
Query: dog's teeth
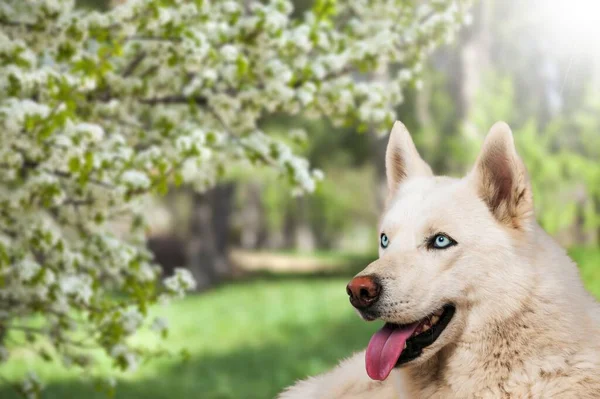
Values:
[(405, 345), (435, 319), (426, 327)]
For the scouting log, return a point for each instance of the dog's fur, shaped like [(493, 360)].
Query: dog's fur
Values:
[(524, 326)]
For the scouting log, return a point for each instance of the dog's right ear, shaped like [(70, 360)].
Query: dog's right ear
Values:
[(501, 178), (402, 161)]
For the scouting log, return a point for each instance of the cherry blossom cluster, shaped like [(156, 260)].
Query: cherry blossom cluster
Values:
[(99, 110)]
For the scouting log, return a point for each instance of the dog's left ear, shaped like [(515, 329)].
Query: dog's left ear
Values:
[(501, 178)]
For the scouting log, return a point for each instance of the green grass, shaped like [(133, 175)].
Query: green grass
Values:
[(247, 340)]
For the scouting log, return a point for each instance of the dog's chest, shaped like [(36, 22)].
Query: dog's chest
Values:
[(459, 385), (466, 375), (504, 376)]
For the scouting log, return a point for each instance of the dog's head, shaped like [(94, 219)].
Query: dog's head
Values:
[(451, 251)]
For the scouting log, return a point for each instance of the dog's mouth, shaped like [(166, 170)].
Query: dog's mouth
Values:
[(397, 344)]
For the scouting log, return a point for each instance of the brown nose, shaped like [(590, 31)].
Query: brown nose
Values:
[(364, 291)]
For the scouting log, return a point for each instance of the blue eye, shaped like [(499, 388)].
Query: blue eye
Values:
[(441, 241), (384, 241)]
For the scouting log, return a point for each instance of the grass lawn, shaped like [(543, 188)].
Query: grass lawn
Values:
[(247, 340)]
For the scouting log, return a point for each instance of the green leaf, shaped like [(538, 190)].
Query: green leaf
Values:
[(325, 9), (74, 164)]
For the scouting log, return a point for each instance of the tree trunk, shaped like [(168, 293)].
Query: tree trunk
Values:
[(169, 252), (290, 223), (253, 234), (378, 146), (474, 60), (466, 68), (207, 247), (304, 237)]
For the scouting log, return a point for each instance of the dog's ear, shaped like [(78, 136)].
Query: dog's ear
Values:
[(402, 161), (501, 179)]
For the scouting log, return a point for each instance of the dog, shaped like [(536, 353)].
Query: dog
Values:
[(478, 300)]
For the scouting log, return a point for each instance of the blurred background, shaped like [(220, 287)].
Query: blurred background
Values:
[(272, 268)]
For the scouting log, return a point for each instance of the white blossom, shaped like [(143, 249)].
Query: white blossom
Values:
[(28, 269), (181, 281), (229, 52), (136, 179), (159, 325), (147, 272), (99, 110), (80, 286), (131, 320), (122, 351), (318, 174), (95, 132)]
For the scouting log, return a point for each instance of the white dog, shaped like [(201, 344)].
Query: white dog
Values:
[(478, 300)]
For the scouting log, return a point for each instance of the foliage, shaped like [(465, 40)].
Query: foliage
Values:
[(288, 328), (430, 114), (99, 109), (561, 156), (346, 202), (335, 210)]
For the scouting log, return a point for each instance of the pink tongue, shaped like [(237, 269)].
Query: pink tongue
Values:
[(385, 348)]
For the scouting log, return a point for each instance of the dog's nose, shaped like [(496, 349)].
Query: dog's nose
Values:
[(363, 291)]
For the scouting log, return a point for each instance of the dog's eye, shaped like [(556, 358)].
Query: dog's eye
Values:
[(441, 241), (384, 241)]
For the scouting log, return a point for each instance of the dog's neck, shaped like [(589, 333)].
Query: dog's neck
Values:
[(487, 357), (499, 347)]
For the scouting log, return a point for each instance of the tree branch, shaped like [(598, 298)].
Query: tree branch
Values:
[(175, 99), (173, 39), (7, 22), (134, 64), (30, 165)]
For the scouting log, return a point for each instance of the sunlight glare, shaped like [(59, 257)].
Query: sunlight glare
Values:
[(572, 26)]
